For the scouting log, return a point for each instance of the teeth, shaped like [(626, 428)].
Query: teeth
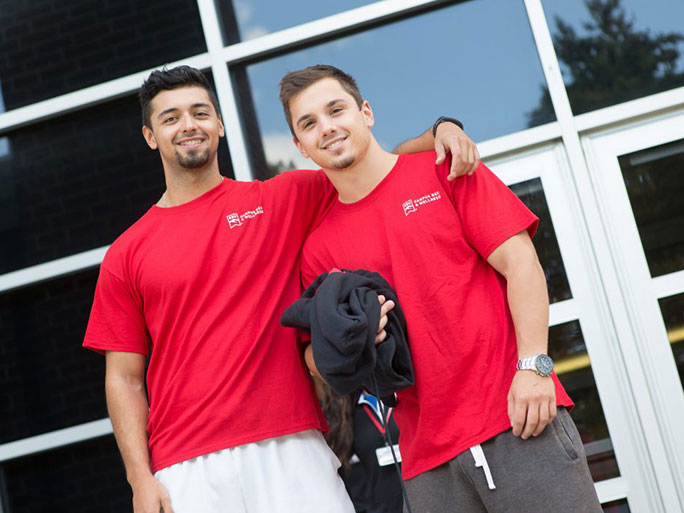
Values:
[(191, 143), (334, 145)]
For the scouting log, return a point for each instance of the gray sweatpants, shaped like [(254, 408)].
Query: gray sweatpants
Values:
[(546, 473)]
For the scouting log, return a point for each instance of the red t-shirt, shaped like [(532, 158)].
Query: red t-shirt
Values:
[(430, 239), (201, 287)]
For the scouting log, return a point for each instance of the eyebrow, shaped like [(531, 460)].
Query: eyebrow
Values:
[(329, 104), (197, 105)]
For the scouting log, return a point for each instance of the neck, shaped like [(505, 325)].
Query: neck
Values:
[(184, 185), (356, 182)]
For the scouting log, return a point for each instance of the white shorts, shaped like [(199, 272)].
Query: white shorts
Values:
[(294, 473)]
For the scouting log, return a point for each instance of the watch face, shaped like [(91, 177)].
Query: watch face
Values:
[(544, 364)]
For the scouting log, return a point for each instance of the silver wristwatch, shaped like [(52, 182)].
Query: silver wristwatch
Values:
[(542, 364)]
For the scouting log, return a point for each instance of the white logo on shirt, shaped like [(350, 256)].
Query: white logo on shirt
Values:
[(413, 204), (235, 219)]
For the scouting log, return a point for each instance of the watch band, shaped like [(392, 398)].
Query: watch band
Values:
[(541, 364), (443, 119)]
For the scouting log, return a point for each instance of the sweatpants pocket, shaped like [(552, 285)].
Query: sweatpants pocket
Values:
[(564, 429)]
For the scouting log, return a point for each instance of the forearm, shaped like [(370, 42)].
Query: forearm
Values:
[(424, 142), (128, 411), (529, 304)]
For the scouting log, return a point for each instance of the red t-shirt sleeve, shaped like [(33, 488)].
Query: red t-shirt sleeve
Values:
[(116, 319), (311, 192), (489, 212)]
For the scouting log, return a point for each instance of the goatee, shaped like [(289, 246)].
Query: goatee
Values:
[(344, 162), (193, 159)]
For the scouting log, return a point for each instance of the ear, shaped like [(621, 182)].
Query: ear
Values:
[(222, 130), (150, 139), (300, 147), (367, 114)]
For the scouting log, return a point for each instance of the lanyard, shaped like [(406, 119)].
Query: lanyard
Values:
[(380, 426)]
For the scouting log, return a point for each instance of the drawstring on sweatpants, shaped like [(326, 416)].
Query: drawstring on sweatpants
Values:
[(481, 461)]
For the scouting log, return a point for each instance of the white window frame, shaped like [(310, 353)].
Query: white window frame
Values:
[(643, 329)]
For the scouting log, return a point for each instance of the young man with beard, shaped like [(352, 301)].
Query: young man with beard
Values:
[(227, 419), (485, 428)]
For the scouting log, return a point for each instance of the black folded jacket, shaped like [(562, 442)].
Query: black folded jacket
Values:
[(342, 312)]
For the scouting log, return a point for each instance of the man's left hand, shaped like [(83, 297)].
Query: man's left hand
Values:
[(531, 403), (464, 155)]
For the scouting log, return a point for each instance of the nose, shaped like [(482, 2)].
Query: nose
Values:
[(188, 122), (328, 126)]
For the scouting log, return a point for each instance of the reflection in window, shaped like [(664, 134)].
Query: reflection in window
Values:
[(572, 365), (256, 19), (80, 478), (612, 51), (410, 81), (76, 182), (620, 506), (655, 184), (532, 195), (672, 309), (51, 47), (4, 142), (47, 380)]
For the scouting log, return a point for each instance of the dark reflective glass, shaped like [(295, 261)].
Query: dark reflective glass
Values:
[(655, 184), (76, 182), (51, 47), (611, 52), (672, 309), (254, 19), (572, 365), (47, 380), (620, 506), (532, 195), (414, 70), (79, 478)]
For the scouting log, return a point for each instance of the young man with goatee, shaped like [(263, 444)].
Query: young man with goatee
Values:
[(225, 417), (486, 427)]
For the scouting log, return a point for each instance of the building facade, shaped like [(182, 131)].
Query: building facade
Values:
[(578, 105)]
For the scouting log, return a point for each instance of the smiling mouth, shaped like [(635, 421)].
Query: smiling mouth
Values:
[(191, 142), (335, 143)]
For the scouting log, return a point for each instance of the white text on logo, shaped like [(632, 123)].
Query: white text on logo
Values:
[(235, 219), (413, 204)]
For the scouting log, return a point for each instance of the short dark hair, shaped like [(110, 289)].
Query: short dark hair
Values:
[(168, 79), (296, 81)]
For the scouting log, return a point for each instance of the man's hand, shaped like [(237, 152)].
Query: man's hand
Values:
[(150, 496), (464, 155), (387, 305), (531, 403)]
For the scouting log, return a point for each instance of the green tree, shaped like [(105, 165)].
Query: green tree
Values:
[(612, 63)]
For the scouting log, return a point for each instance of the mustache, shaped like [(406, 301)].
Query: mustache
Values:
[(190, 136)]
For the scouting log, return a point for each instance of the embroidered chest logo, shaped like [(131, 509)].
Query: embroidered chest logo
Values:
[(236, 219), (412, 205)]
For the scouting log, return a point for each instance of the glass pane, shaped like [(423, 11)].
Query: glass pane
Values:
[(567, 348), (79, 478), (620, 506), (49, 48), (655, 184), (256, 19), (47, 380), (532, 195), (611, 52), (672, 309), (410, 81), (76, 182)]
